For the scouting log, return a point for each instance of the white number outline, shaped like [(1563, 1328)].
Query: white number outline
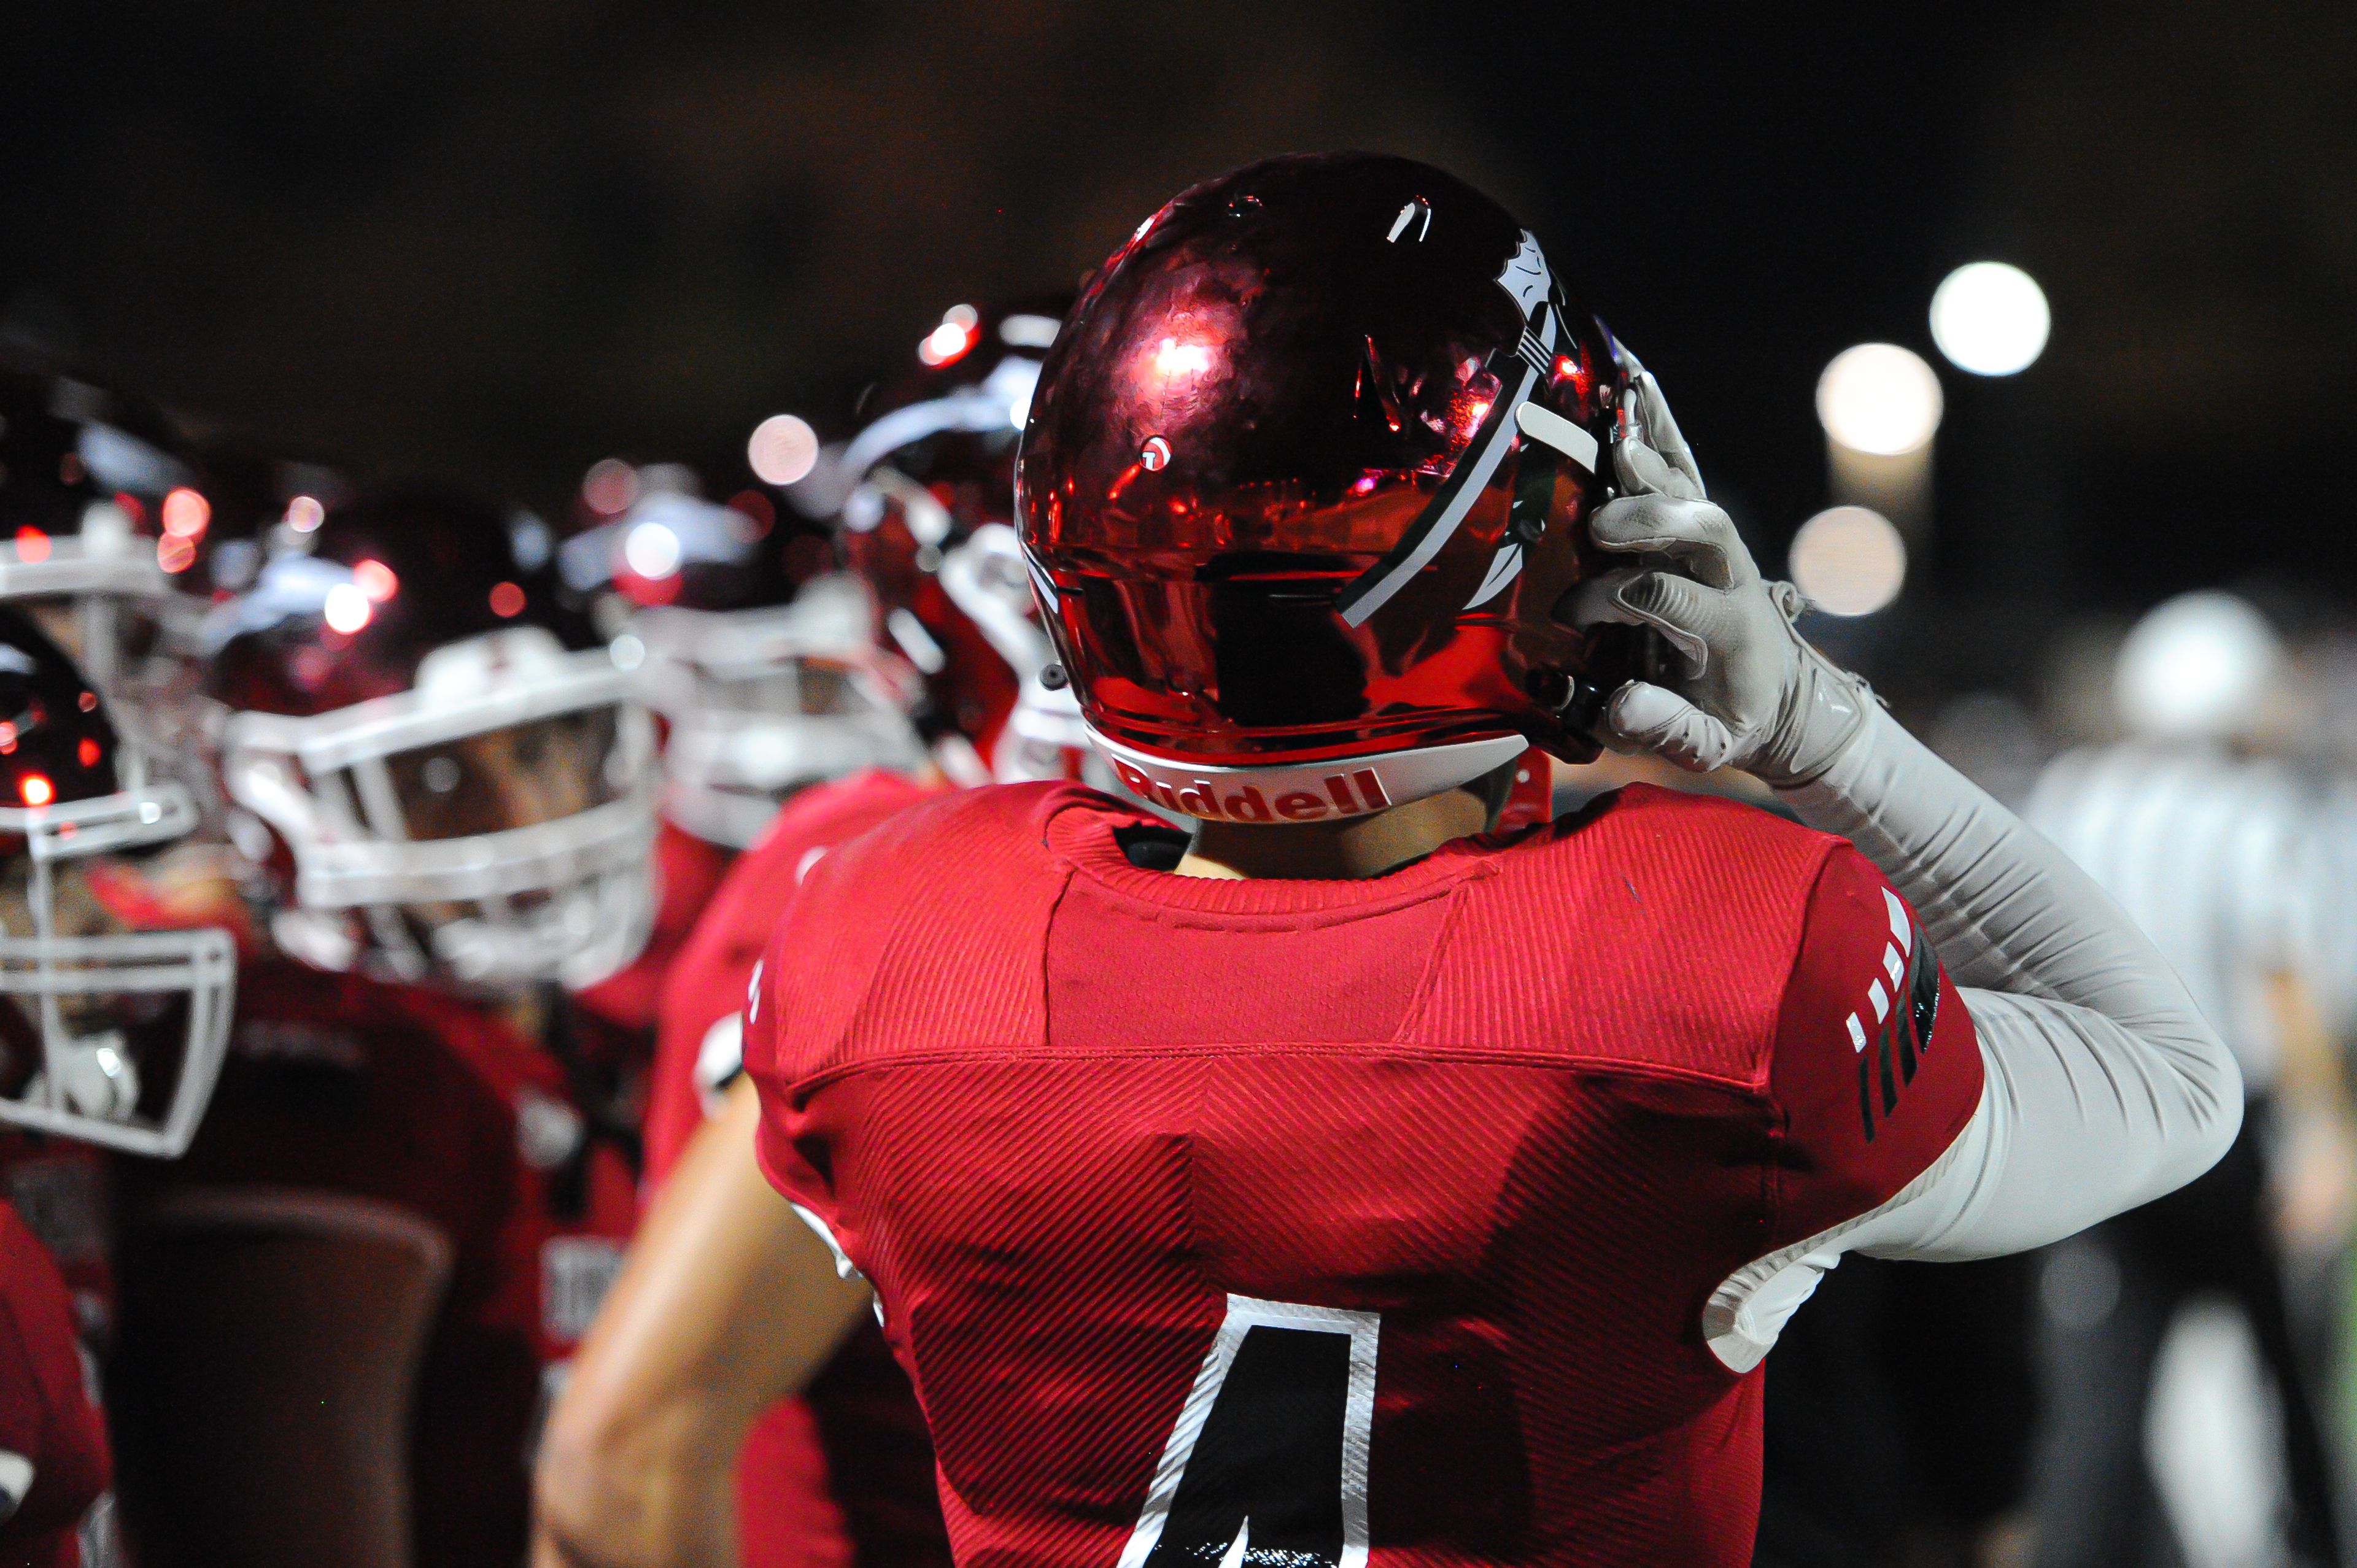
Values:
[(1243, 1315)]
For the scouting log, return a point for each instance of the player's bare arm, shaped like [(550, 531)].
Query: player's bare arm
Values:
[(727, 1303)]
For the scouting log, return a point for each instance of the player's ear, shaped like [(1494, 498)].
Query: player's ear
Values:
[(1493, 790)]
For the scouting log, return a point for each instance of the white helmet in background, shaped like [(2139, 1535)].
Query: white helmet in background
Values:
[(763, 702), (2201, 666)]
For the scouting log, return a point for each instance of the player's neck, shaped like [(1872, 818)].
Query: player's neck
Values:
[(1344, 851)]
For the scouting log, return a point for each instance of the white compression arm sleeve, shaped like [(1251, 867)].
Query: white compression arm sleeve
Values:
[(2105, 1090)]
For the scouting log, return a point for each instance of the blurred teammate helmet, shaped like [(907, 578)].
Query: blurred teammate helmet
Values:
[(1305, 476), (2201, 666), (101, 505), (109, 1032), (1042, 736), (454, 776), (934, 465), (762, 659)]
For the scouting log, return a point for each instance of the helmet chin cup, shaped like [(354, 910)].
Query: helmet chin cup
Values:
[(591, 931), (1324, 792), (95, 1074)]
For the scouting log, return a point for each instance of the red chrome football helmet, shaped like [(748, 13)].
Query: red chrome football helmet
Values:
[(1305, 476), (114, 1011), (100, 504)]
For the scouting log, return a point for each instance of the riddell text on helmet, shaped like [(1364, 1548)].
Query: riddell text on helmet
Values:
[(1350, 795)]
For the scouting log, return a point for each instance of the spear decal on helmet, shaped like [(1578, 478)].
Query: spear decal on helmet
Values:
[(1529, 283)]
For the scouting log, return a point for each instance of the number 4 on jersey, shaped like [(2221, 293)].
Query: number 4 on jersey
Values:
[(1267, 1464)]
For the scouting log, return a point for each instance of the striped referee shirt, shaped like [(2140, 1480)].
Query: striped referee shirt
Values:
[(2218, 858)]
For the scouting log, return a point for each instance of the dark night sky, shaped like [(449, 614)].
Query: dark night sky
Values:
[(501, 241)]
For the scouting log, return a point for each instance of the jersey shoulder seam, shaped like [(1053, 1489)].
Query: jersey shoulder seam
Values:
[(1548, 1061)]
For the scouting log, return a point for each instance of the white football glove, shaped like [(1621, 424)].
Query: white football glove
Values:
[(1751, 694)]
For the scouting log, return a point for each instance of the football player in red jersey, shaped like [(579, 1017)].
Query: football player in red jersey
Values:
[(1344, 1184), (728, 1306), (406, 1203), (111, 1035)]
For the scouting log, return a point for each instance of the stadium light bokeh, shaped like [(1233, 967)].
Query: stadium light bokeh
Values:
[(1880, 399), (1849, 561), (1990, 318)]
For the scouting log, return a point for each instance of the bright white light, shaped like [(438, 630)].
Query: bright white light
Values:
[(1028, 331), (1849, 561), (652, 550), (945, 343), (784, 448), (305, 513), (1177, 358), (346, 609), (1990, 318), (1879, 398)]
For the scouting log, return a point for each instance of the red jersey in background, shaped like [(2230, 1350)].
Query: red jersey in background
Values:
[(54, 1462), (844, 1474), (340, 1084), (1348, 1221), (618, 1016), (63, 1191)]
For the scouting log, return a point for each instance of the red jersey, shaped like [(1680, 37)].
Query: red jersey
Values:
[(845, 1473), (340, 1084), (1345, 1221), (704, 986), (54, 1462), (63, 1191)]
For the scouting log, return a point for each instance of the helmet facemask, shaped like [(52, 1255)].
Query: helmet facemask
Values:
[(493, 824), (107, 1034), (760, 704)]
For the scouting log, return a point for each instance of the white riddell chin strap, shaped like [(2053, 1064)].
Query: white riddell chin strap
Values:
[(1304, 792)]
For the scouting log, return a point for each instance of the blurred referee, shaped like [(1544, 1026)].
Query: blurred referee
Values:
[(2213, 848)]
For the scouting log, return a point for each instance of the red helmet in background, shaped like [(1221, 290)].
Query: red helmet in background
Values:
[(113, 1025), (1306, 474), (254, 491), (100, 504), (450, 760), (934, 464)]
